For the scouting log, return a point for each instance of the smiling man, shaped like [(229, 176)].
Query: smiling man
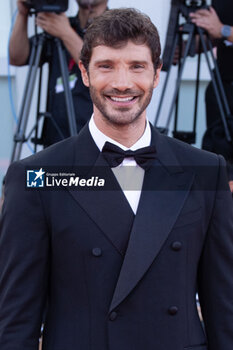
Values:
[(121, 86), (119, 266)]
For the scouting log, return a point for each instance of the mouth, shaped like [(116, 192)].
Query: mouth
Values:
[(122, 100)]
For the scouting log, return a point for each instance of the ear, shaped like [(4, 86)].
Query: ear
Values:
[(84, 73), (157, 76)]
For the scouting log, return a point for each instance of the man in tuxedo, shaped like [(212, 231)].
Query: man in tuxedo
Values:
[(118, 265)]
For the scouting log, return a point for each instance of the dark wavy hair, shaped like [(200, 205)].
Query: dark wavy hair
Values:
[(115, 27)]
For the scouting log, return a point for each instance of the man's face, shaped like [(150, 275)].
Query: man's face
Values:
[(121, 82)]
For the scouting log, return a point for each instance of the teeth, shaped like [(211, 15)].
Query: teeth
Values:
[(122, 99)]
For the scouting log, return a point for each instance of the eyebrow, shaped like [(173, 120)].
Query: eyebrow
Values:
[(108, 61), (139, 62), (103, 61)]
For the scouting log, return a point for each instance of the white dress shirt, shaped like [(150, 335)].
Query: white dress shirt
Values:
[(128, 174)]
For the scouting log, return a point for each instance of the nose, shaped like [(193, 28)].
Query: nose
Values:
[(122, 80)]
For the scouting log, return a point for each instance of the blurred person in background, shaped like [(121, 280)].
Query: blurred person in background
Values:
[(218, 22), (70, 31)]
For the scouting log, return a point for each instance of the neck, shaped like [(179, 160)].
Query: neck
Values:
[(126, 135), (86, 15)]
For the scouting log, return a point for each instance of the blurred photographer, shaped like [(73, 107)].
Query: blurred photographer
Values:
[(218, 22), (70, 31)]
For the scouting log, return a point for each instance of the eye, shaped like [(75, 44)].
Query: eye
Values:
[(105, 66), (138, 67)]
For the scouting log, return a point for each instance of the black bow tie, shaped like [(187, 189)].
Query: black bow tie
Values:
[(114, 155)]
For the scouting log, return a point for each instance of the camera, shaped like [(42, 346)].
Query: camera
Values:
[(47, 5), (195, 3)]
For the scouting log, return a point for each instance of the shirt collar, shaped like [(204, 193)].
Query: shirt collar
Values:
[(100, 138)]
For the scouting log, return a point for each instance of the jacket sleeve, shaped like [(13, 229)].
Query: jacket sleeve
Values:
[(216, 269), (24, 265)]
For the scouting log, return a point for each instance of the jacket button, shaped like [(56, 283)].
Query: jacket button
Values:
[(176, 246), (113, 316), (96, 251), (173, 310)]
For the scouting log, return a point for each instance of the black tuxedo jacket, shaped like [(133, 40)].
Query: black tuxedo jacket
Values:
[(112, 280)]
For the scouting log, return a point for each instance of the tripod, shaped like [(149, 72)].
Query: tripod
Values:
[(205, 45), (34, 62)]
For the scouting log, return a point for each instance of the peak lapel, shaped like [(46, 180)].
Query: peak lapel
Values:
[(162, 199), (107, 206)]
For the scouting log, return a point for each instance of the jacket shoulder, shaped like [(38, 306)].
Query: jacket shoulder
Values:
[(60, 153), (187, 154)]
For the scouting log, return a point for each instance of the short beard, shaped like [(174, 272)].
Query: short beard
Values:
[(119, 120)]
